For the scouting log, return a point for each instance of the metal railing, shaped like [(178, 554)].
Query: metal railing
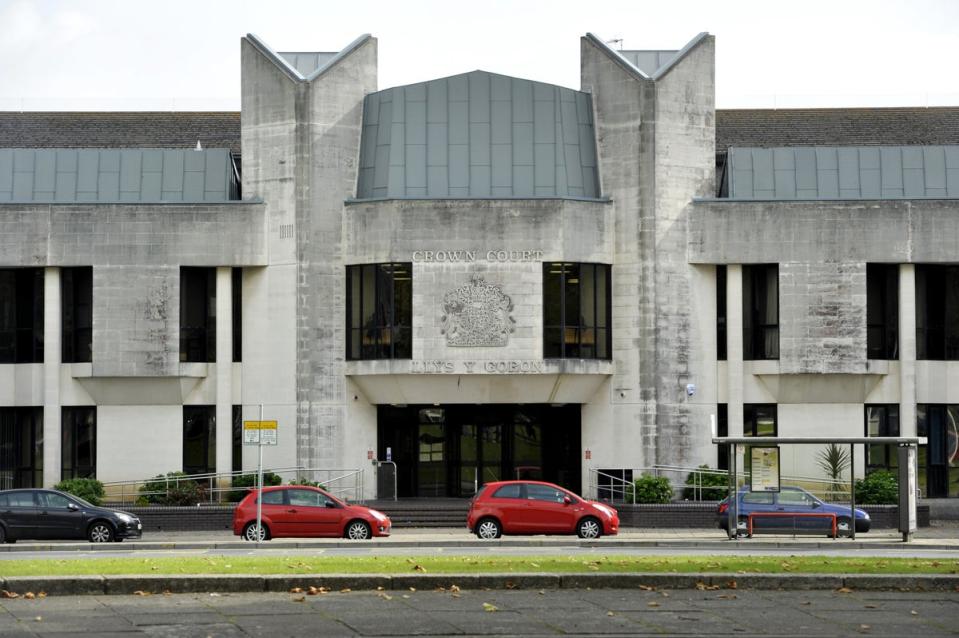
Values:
[(615, 489), (347, 484)]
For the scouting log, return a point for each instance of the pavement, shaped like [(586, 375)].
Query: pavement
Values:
[(945, 537)]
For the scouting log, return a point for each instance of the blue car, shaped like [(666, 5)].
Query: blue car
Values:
[(790, 500)]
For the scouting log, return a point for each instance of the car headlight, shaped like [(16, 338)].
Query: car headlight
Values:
[(605, 510), (126, 518), (380, 516)]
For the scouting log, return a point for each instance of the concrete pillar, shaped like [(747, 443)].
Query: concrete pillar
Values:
[(907, 350), (734, 347), (51, 377), (224, 369)]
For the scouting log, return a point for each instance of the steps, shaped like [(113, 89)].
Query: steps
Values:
[(424, 513)]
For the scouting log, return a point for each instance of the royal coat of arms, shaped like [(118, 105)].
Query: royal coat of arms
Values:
[(477, 314)]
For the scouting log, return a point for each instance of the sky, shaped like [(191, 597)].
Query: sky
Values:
[(176, 55)]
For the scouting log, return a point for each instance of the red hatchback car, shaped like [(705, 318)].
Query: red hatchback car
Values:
[(301, 510), (534, 507)]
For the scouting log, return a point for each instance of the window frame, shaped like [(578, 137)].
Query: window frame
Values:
[(71, 422), (198, 343), (76, 314), (602, 350), (882, 332), (756, 327), (387, 328)]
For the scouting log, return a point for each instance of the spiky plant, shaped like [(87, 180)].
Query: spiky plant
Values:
[(834, 461)]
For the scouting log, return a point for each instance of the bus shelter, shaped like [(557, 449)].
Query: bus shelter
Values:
[(908, 472)]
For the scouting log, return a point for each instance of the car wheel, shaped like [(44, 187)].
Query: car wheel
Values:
[(100, 532), (488, 529), (358, 531), (589, 528), (254, 534), (842, 526)]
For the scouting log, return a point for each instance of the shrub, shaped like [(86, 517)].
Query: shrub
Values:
[(89, 489), (248, 481), (650, 489), (172, 488), (308, 483), (713, 486), (878, 488)]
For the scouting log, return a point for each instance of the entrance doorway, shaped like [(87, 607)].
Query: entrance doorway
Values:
[(452, 450)]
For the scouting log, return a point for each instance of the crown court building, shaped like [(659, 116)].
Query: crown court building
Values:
[(479, 277)]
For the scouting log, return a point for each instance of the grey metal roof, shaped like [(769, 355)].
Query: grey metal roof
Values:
[(307, 62), (649, 62), (844, 172), (478, 134), (114, 175)]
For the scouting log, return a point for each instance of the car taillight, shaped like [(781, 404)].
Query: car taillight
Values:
[(723, 507)]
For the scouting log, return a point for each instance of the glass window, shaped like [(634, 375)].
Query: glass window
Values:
[(379, 311), (882, 420), (237, 442), (4, 500), (76, 314), (199, 439), (758, 497), (721, 312), (21, 315), (78, 442), (937, 312), (237, 302), (722, 429), (49, 499), (22, 499), (938, 460), (21, 447), (761, 312), (508, 491), (795, 497), (307, 498), (198, 314), (274, 497), (576, 311), (882, 311), (537, 492)]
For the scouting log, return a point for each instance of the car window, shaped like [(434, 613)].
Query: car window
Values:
[(308, 498), (509, 491), (544, 493), (20, 499), (791, 497), (274, 497), (758, 497), (3, 500), (49, 499)]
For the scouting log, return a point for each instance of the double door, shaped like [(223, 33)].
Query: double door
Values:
[(480, 456)]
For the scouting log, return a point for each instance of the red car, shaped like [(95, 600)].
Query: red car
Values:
[(301, 510), (535, 507)]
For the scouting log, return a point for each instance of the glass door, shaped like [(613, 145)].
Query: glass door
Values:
[(431, 466), (481, 456)]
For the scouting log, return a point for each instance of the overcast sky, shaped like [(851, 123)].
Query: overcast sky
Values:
[(185, 55)]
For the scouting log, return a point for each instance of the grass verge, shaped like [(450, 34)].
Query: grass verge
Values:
[(476, 564)]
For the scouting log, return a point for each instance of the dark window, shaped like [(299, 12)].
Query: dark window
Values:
[(508, 491), (761, 312), (722, 429), (721, 313), (882, 311), (198, 314), (275, 497), (937, 312), (21, 315), (759, 419), (237, 447), (237, 299), (537, 492), (78, 442), (379, 311), (21, 447), (576, 311), (938, 460), (199, 439), (76, 314), (882, 420)]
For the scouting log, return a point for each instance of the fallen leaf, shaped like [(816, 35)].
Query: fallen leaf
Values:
[(872, 606), (652, 603), (727, 596), (864, 627), (412, 588), (213, 594), (510, 585), (843, 590), (296, 590), (731, 584), (38, 619), (9, 594), (385, 596), (419, 568), (29, 595), (807, 602), (140, 592), (490, 607), (299, 599), (609, 613), (380, 588), (406, 595), (41, 594), (650, 588), (454, 588), (345, 590)]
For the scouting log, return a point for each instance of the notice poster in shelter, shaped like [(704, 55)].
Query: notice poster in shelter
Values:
[(765, 469)]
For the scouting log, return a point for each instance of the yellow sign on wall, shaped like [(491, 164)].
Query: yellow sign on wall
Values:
[(259, 432)]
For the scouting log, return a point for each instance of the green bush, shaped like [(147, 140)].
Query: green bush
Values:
[(247, 481), (878, 488), (172, 488), (713, 487), (307, 483), (90, 490), (650, 489)]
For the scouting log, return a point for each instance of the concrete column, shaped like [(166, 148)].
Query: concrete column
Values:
[(51, 377), (907, 350), (734, 347), (224, 369)]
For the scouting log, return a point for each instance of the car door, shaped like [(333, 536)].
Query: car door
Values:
[(759, 502), (315, 514), (547, 511), (792, 501), (58, 517), (274, 513), (19, 512), (508, 504)]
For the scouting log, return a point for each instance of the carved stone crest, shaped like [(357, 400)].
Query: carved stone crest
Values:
[(477, 314)]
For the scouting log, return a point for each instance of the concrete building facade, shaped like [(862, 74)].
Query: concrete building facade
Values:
[(475, 277)]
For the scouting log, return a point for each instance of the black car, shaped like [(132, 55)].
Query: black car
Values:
[(49, 514)]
